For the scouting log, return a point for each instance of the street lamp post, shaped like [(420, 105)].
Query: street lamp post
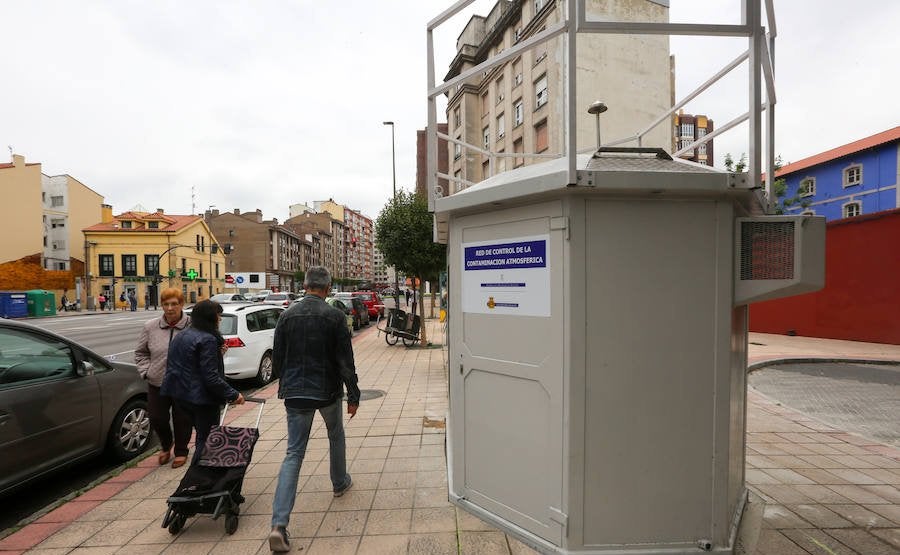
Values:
[(394, 171)]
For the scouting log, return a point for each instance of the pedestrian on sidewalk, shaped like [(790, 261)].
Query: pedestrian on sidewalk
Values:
[(195, 372), (313, 358), (132, 300), (150, 356), (101, 299)]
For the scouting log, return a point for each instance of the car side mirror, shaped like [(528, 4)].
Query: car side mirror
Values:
[(85, 369)]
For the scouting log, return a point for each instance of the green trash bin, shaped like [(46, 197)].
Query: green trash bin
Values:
[(40, 302)]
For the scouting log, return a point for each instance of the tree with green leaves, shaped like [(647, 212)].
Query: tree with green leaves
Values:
[(403, 234), (779, 186)]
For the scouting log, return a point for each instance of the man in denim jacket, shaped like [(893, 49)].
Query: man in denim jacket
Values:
[(313, 358)]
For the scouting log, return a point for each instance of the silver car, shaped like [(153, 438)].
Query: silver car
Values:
[(61, 403)]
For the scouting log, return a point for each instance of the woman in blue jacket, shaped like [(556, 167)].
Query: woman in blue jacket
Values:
[(195, 372)]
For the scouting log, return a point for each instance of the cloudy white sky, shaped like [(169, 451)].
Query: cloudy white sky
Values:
[(269, 103)]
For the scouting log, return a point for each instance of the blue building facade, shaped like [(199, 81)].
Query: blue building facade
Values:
[(851, 180)]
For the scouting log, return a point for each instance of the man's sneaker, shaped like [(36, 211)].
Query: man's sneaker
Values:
[(278, 540), (343, 490)]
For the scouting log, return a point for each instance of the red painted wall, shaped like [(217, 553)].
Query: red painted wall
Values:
[(861, 298)]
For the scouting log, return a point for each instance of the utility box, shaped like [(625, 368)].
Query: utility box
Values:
[(40, 302), (598, 348)]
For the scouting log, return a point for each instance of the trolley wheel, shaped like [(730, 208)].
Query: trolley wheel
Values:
[(390, 338), (409, 342), (177, 524), (231, 524)]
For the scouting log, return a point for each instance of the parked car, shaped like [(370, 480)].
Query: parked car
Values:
[(229, 298), (249, 332), (260, 295), (280, 299), (357, 309), (61, 403), (372, 301), (339, 304)]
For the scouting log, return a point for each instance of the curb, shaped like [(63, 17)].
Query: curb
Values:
[(816, 360)]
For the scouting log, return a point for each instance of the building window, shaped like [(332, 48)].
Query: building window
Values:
[(486, 169), (60, 265), (152, 225), (852, 209), (56, 201), (107, 265), (129, 265), (151, 264), (57, 223), (518, 34), (540, 58), (701, 149), (485, 107), (457, 150), (808, 187), (499, 96), (541, 96), (518, 113), (538, 6), (486, 134), (456, 118), (501, 127), (217, 270), (518, 148), (126, 224), (853, 175), (701, 132), (517, 72), (541, 137), (687, 130)]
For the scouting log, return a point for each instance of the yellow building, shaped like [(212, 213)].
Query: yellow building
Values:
[(21, 211), (126, 252)]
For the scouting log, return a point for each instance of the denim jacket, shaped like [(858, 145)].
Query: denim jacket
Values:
[(195, 371), (312, 355)]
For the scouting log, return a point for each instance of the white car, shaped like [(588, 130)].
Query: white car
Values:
[(249, 332)]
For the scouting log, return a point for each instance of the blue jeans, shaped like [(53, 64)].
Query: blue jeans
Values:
[(299, 425)]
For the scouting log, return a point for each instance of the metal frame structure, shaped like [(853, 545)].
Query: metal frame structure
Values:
[(760, 54)]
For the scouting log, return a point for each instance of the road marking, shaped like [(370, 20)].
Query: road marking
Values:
[(114, 355)]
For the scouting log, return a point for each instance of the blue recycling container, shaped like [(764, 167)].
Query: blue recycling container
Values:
[(13, 304)]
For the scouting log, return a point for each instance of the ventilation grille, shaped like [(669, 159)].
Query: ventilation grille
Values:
[(767, 250)]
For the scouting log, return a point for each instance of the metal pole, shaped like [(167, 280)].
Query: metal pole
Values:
[(394, 168)]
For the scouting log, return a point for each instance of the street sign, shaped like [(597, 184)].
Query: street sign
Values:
[(229, 279)]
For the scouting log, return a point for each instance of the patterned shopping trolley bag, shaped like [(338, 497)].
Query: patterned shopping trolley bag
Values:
[(229, 447)]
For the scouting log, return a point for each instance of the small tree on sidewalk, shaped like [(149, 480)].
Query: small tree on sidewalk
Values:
[(403, 234)]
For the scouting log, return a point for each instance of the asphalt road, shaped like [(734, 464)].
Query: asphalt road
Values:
[(863, 399), (110, 334)]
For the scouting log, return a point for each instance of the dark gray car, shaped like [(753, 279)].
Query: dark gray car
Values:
[(61, 403)]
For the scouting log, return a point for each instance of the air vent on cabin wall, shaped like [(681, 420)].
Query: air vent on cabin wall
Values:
[(778, 256)]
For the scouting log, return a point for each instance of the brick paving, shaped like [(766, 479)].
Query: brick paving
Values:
[(825, 491)]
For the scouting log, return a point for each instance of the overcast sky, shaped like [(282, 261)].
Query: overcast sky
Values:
[(270, 103)]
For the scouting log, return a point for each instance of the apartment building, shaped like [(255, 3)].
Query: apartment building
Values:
[(47, 214), (259, 245), (519, 107), (328, 236), (688, 129)]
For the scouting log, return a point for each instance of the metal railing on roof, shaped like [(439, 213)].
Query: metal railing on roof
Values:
[(760, 54)]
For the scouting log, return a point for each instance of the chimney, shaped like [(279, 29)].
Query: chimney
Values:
[(259, 218), (215, 212), (18, 160), (237, 211), (160, 210), (106, 214)]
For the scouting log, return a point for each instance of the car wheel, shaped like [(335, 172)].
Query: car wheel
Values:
[(264, 375), (129, 434)]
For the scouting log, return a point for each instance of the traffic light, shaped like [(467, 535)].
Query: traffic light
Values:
[(157, 278)]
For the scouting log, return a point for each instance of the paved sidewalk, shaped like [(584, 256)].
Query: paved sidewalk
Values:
[(826, 491)]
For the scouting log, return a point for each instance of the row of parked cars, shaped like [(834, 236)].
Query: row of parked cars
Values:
[(60, 402)]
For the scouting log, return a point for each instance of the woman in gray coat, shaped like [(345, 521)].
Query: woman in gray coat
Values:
[(150, 356)]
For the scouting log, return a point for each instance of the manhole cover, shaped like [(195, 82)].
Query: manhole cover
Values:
[(367, 394)]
